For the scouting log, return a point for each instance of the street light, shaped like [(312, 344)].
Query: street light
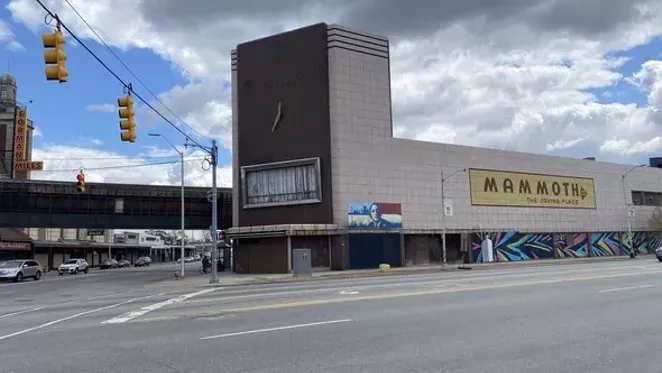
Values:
[(627, 210), (443, 211), (181, 157)]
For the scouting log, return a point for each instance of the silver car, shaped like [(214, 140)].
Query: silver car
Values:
[(73, 266), (17, 270)]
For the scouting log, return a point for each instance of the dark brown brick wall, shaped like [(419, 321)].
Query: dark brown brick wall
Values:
[(291, 68)]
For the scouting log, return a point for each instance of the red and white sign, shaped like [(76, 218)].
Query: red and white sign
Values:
[(21, 135), (15, 246), (220, 235), (29, 166)]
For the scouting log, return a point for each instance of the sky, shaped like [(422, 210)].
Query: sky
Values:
[(560, 77)]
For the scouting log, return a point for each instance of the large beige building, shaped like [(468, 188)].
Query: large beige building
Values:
[(317, 166)]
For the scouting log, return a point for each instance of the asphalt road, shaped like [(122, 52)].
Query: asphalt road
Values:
[(574, 318)]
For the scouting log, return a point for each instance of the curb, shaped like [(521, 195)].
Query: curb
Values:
[(429, 270)]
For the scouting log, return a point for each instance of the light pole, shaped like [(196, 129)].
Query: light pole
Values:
[(181, 159), (213, 152), (627, 209), (443, 212)]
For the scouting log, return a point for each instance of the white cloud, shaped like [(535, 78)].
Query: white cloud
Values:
[(511, 76), (96, 142), (36, 132), (63, 162), (7, 36), (104, 108), (15, 46)]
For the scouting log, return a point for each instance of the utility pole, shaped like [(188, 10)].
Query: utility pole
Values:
[(627, 209), (214, 214), (443, 214)]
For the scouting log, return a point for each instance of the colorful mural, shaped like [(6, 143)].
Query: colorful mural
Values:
[(374, 215), (654, 241), (640, 242), (514, 246), (571, 245), (605, 244)]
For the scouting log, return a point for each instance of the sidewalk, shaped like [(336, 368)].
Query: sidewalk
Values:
[(233, 279)]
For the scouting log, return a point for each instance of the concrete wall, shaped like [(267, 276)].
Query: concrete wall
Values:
[(370, 165)]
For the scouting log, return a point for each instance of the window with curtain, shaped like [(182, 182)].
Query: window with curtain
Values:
[(288, 184)]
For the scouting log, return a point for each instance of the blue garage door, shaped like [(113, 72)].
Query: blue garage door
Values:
[(370, 250)]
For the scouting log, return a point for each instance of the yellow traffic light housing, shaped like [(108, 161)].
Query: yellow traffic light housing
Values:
[(54, 56), (80, 183), (126, 113)]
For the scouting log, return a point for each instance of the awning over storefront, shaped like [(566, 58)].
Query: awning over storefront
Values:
[(12, 239)]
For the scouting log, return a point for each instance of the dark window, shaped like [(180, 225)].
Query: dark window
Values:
[(646, 198), (282, 183)]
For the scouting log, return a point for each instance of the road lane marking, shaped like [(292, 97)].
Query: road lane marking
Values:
[(424, 292), (276, 329), (626, 288), (153, 307), (268, 292), (50, 323), (348, 292), (22, 312)]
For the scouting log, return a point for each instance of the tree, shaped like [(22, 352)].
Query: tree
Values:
[(655, 221)]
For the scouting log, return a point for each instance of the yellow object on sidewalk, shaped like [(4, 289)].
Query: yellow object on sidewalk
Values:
[(384, 267)]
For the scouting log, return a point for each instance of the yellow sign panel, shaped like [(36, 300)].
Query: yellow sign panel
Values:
[(21, 135), (515, 189), (29, 166)]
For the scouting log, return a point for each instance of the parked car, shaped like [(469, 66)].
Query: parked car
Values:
[(658, 254), (143, 261), (17, 270), (124, 263), (109, 264), (73, 266)]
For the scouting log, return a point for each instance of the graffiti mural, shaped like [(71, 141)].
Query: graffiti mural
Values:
[(654, 241), (476, 239), (571, 245), (640, 242), (605, 244), (515, 246)]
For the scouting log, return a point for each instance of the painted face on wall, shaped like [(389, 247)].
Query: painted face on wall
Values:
[(375, 214)]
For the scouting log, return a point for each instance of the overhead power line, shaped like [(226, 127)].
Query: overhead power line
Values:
[(131, 71), (107, 158), (125, 84), (118, 166)]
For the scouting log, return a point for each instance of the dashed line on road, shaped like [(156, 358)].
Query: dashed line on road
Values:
[(625, 288), (50, 323), (22, 312), (153, 307), (298, 326)]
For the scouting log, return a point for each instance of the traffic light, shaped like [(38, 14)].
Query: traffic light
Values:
[(80, 184), (54, 56), (127, 124)]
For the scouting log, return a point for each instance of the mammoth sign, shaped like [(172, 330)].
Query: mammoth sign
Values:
[(517, 189)]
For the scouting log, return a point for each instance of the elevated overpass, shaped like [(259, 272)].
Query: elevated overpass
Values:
[(52, 204)]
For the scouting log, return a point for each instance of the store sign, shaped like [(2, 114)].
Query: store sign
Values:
[(21, 135), (29, 166), (517, 189), (15, 246)]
